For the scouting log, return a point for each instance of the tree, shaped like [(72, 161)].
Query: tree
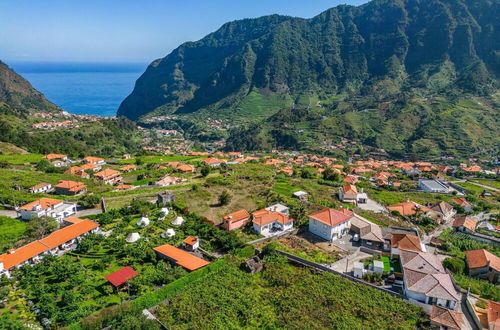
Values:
[(307, 173), (39, 227), (205, 170), (224, 198), (330, 175), (455, 265)]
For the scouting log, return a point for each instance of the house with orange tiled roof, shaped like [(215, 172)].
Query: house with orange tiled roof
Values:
[(58, 242), (213, 162), (168, 181), (186, 168), (125, 187), (40, 188), (78, 171), (180, 257), (191, 243), (406, 242), (330, 224), (49, 207), (51, 157), (273, 162), (286, 170), (90, 167), (128, 168), (272, 220), (463, 203), (348, 193), (473, 169), (465, 224), (351, 179), (108, 176), (94, 160), (408, 208), (235, 219), (71, 188), (483, 264)]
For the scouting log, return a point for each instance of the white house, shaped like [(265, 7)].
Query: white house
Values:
[(40, 188), (168, 233), (54, 208), (191, 243), (267, 222), (330, 224)]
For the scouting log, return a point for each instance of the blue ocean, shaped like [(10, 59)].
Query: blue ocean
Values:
[(83, 88)]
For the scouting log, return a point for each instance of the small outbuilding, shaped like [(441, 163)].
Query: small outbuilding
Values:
[(168, 233), (143, 222), (133, 237), (120, 277), (178, 221)]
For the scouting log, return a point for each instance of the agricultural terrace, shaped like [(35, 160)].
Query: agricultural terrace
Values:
[(72, 286)]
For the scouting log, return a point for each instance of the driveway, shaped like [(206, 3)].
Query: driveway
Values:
[(85, 212), (371, 205), (345, 265), (8, 213)]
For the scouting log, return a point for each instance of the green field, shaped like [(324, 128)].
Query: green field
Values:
[(11, 230), (283, 296)]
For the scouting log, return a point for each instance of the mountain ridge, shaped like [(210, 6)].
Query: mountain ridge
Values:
[(345, 49), (17, 95)]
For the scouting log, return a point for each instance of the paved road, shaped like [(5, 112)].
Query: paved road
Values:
[(484, 186), (85, 212), (8, 213)]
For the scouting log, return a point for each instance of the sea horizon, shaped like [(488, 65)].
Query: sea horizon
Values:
[(92, 88)]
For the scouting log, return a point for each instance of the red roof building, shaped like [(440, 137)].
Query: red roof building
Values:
[(121, 276)]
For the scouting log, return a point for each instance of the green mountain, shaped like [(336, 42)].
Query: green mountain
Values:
[(384, 47), (18, 97)]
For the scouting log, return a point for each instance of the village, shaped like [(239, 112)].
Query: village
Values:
[(424, 233)]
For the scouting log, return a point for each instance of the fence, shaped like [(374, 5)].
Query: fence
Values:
[(265, 239), (320, 267)]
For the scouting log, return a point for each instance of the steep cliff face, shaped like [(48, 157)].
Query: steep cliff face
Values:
[(18, 97), (384, 46)]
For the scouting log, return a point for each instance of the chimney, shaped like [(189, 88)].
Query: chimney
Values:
[(11, 251)]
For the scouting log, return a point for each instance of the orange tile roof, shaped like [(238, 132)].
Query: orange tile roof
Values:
[(68, 233), (128, 168), (350, 189), (264, 217), (45, 203), (93, 159), (121, 276), (482, 258), (211, 161), (124, 186), (40, 185), (106, 174), (332, 217), (25, 253), (450, 319), (33, 249), (190, 240), (71, 185), (54, 156), (185, 168), (181, 257), (466, 222), (407, 208), (460, 201), (237, 216), (493, 314), (88, 166), (351, 179), (406, 242)]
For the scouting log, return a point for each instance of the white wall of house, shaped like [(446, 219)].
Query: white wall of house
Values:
[(328, 232)]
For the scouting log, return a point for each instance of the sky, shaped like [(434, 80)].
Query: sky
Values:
[(125, 30)]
